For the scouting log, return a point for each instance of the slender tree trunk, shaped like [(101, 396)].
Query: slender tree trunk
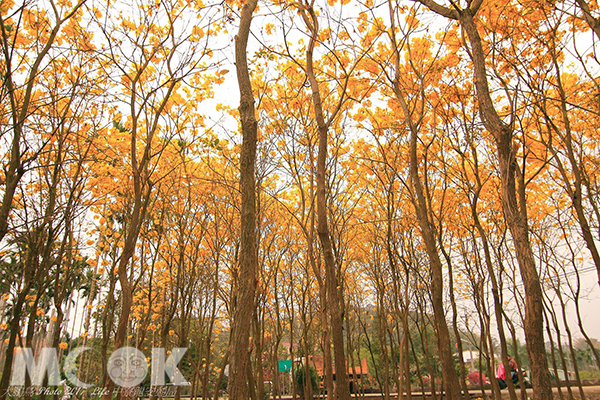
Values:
[(14, 327), (561, 353), (406, 346), (246, 285), (459, 346), (490, 372), (258, 352), (213, 317), (332, 279), (563, 308), (449, 375), (19, 101), (326, 341), (431, 367), (587, 338), (451, 384), (371, 353), (515, 343), (382, 328), (419, 372), (491, 272), (573, 179), (515, 212), (138, 213), (486, 346), (553, 357), (219, 381), (325, 335), (29, 336)]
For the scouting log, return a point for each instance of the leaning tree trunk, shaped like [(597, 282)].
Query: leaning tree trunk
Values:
[(428, 233), (515, 212), (593, 22), (450, 377), (332, 281), (513, 198)]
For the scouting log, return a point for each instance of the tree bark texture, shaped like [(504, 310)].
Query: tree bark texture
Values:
[(451, 383), (335, 299), (513, 205), (334, 290), (248, 260)]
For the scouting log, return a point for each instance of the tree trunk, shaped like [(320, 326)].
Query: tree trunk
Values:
[(594, 23), (515, 214), (246, 284), (451, 384), (513, 199), (13, 327), (332, 280), (456, 330), (489, 265)]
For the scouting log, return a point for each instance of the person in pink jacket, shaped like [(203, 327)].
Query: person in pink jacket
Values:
[(501, 373)]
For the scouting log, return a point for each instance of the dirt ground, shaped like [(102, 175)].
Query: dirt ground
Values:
[(591, 393)]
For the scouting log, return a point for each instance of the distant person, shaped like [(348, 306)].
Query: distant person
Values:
[(501, 373), (512, 364)]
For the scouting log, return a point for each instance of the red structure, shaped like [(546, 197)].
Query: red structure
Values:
[(355, 374)]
